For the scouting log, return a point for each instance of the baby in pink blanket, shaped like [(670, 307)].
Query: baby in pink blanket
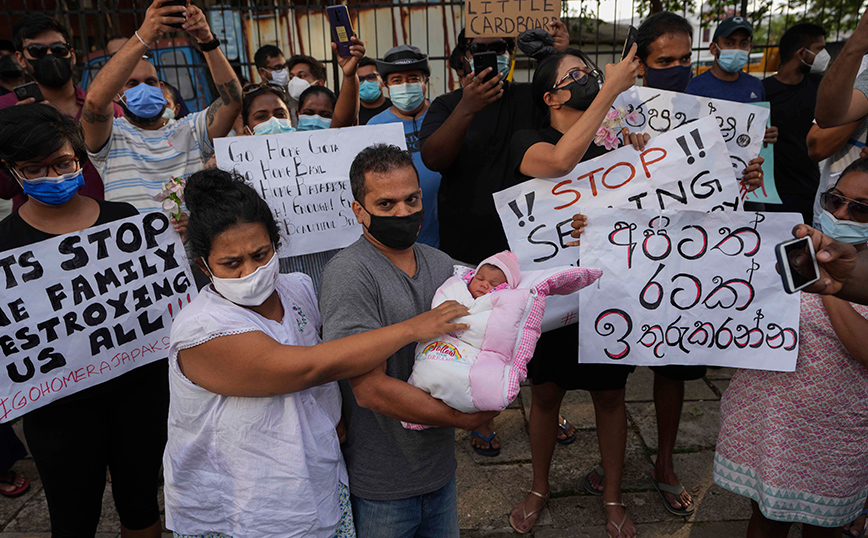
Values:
[(491, 275)]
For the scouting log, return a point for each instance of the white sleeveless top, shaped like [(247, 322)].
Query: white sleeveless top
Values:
[(252, 467)]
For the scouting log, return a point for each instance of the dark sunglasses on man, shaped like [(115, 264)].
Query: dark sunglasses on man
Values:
[(497, 47), (832, 202), (38, 50)]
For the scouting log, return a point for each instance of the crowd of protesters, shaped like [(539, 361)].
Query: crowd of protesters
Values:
[(278, 410)]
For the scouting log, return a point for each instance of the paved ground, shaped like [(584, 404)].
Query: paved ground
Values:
[(488, 488)]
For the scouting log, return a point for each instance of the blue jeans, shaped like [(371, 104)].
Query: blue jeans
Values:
[(433, 515)]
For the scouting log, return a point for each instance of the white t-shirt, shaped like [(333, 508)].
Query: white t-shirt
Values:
[(267, 466), (135, 163)]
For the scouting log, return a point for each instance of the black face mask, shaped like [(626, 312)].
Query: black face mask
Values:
[(674, 79), (9, 68), (51, 71), (398, 233), (582, 95)]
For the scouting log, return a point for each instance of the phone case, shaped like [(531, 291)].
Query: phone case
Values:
[(784, 266), (342, 28), (483, 60)]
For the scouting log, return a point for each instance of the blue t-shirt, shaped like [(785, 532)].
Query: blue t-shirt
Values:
[(745, 89), (428, 180)]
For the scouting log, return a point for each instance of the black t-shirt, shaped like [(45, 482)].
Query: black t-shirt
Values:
[(523, 140), (792, 112), (481, 168), (365, 114)]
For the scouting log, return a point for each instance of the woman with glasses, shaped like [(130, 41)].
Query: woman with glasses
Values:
[(796, 443), (119, 424), (571, 90)]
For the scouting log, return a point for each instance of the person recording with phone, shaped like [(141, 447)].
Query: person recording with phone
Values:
[(43, 52)]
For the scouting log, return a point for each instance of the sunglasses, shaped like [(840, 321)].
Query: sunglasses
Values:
[(580, 76), (498, 47), (38, 50), (832, 202)]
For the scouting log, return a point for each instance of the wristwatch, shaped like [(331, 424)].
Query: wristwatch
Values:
[(209, 46)]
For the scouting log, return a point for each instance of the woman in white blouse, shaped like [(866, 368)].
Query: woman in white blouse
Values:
[(252, 447)]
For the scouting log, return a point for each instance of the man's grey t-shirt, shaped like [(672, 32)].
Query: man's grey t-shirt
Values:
[(362, 290)]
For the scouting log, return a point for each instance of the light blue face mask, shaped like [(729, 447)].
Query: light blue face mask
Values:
[(145, 101), (732, 60), (503, 65), (312, 123), (408, 96), (273, 126), (369, 91), (845, 231), (53, 190)]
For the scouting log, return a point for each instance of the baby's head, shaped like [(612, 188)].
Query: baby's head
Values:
[(495, 272)]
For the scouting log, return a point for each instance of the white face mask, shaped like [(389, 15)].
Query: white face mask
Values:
[(249, 290), (296, 86), (279, 78), (821, 61)]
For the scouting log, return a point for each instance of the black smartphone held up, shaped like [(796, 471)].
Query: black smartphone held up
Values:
[(25, 91), (342, 28), (483, 60), (797, 264), (176, 3), (632, 37)]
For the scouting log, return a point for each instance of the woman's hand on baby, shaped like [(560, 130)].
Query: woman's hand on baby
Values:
[(438, 321), (578, 224)]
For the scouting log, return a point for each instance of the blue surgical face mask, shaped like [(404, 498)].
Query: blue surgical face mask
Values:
[(732, 60), (845, 231), (53, 190), (408, 96), (144, 101), (503, 64), (369, 91), (312, 123), (673, 79), (273, 126)]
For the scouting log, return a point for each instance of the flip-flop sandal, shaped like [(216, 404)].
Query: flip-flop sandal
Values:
[(563, 427), (527, 516), (586, 483), (864, 528), (674, 490), (17, 492), (489, 452)]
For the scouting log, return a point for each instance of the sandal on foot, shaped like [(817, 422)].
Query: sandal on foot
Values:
[(17, 492), (536, 512), (489, 452), (617, 526), (674, 490), (568, 439), (864, 527), (586, 483)]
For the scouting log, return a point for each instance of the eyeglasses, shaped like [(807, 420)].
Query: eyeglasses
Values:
[(580, 76), (832, 202), (62, 167), (373, 77), (498, 47), (38, 50)]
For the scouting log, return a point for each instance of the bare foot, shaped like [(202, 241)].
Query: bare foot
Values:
[(532, 506), (6, 478), (596, 480), (856, 526), (615, 515), (485, 431), (682, 501), (570, 429)]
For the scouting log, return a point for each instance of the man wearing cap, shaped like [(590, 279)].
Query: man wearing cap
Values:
[(405, 71)]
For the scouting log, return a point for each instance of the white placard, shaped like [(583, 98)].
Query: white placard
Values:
[(83, 308), (687, 287), (305, 178), (742, 125)]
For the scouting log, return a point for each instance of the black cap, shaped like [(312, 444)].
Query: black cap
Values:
[(403, 58), (730, 25)]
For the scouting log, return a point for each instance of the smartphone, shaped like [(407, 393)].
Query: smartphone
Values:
[(342, 28), (31, 89), (484, 60), (797, 264), (176, 3), (632, 36)]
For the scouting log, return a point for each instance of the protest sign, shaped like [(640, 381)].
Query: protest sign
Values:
[(91, 306), (768, 193), (304, 178), (508, 18), (659, 111), (687, 287)]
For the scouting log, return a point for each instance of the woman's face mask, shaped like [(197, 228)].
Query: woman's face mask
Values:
[(248, 290), (312, 123), (53, 190), (273, 126)]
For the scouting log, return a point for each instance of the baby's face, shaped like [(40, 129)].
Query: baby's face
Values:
[(485, 279)]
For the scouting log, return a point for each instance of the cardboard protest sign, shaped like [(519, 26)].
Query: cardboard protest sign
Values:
[(508, 18), (83, 308), (305, 178), (659, 111), (768, 194), (687, 287)]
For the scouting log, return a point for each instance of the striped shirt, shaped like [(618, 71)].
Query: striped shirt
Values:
[(135, 162)]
